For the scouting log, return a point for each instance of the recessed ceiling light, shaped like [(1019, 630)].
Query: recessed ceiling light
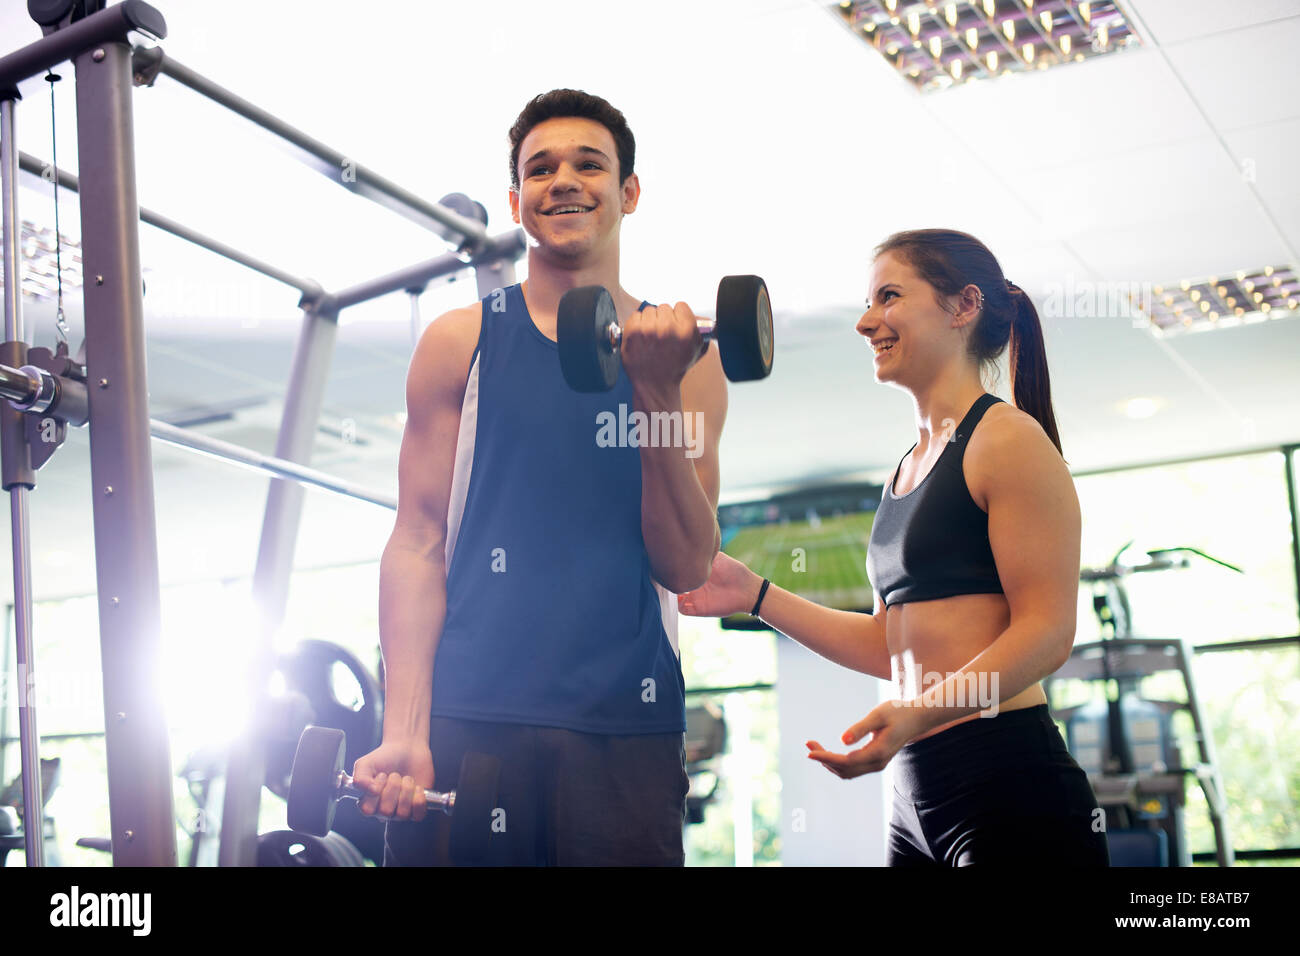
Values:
[(1246, 296), (1141, 407), (988, 39)]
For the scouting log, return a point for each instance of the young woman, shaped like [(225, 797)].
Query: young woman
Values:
[(974, 560)]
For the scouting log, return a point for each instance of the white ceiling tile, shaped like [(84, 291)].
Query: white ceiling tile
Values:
[(1174, 21), (1267, 154), (1077, 113), (1245, 77), (1145, 186), (1193, 244)]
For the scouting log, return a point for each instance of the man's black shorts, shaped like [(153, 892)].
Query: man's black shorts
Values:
[(565, 798)]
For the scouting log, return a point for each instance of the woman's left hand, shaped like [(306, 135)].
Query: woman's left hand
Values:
[(891, 725)]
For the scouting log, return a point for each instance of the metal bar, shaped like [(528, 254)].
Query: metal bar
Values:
[(416, 325), (91, 735), (509, 246), (1281, 853), (351, 175), (1254, 644), (106, 26), (494, 274), (304, 399), (267, 464), (1288, 460), (33, 801), (736, 689), (141, 810), (15, 384), (1187, 460), (4, 711), (19, 480), (1205, 740), (36, 167), (245, 768)]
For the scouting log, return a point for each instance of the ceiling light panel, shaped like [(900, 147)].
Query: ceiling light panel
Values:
[(1240, 298), (938, 44)]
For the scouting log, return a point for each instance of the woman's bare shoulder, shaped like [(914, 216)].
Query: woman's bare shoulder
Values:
[(1007, 439)]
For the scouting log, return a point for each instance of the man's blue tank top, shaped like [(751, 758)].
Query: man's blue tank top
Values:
[(552, 616)]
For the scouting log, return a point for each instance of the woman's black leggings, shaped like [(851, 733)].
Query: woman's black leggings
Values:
[(1000, 790)]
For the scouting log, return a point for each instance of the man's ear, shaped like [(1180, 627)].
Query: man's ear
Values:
[(514, 206), (631, 193)]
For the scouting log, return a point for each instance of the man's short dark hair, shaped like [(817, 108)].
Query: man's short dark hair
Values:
[(565, 103)]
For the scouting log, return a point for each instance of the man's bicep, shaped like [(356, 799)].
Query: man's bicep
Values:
[(704, 402)]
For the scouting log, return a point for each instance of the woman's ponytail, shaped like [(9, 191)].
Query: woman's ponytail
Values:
[(1030, 384)]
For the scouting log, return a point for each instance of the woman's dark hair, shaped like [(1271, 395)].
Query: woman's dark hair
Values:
[(949, 261), (564, 103)]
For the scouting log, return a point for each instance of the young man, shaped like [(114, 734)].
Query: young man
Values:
[(525, 605)]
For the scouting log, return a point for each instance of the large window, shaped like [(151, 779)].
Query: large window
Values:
[(1251, 700), (741, 823), (1234, 509)]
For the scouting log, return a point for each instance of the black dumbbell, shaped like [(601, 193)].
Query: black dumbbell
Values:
[(318, 783), (590, 337)]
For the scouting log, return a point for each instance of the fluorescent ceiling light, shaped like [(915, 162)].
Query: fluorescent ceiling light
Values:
[(939, 44), (1239, 298)]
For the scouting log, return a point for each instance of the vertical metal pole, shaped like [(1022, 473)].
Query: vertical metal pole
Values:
[(415, 316), (140, 802), (1292, 503), (4, 711), (1205, 742), (494, 275), (19, 480), (246, 767)]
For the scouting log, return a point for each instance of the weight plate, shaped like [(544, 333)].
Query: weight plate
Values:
[(313, 786), (744, 329), (587, 358), (286, 848), (343, 850), (324, 673), (459, 202), (363, 832)]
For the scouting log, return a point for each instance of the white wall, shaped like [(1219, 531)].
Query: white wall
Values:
[(825, 821)]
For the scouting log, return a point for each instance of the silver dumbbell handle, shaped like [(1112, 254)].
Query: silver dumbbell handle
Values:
[(706, 326), (433, 799)]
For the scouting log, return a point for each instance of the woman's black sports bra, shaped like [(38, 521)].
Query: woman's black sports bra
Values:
[(933, 542)]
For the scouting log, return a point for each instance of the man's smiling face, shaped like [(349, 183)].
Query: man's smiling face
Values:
[(569, 200)]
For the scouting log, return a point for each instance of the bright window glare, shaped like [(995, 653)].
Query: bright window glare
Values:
[(208, 632)]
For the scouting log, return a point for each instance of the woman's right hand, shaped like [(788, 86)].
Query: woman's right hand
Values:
[(396, 774), (731, 589)]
